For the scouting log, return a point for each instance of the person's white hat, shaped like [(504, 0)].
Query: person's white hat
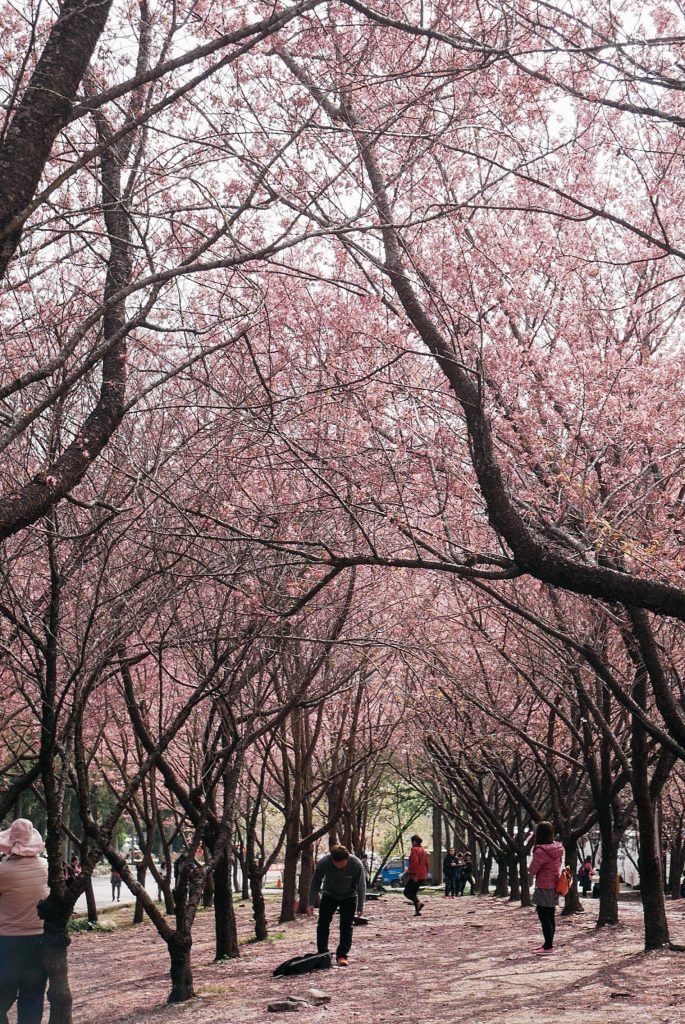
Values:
[(21, 839)]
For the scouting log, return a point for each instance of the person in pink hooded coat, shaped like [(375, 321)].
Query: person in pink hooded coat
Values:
[(546, 868), (23, 884)]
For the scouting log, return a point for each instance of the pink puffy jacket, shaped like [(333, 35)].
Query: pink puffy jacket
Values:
[(546, 865)]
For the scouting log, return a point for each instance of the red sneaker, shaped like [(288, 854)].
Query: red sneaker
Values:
[(341, 961)]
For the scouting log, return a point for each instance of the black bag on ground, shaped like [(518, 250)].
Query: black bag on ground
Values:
[(303, 964)]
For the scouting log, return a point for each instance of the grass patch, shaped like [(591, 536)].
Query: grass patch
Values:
[(82, 924)]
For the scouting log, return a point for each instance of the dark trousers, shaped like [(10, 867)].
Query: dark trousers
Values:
[(451, 884), (463, 879), (546, 915), (411, 892), (22, 977), (327, 908)]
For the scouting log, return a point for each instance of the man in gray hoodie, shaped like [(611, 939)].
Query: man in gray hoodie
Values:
[(341, 876)]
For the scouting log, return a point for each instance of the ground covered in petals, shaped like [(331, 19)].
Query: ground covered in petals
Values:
[(464, 960)]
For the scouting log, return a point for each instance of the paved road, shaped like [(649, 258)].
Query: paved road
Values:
[(103, 891)]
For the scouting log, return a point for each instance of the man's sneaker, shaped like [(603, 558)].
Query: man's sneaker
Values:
[(542, 951), (341, 961)]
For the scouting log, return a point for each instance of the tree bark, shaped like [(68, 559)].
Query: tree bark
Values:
[(289, 895), (526, 900), (486, 871), (90, 901), (139, 913), (514, 887), (180, 970), (608, 898), (502, 888), (572, 904), (226, 931), (261, 929), (306, 874), (56, 942)]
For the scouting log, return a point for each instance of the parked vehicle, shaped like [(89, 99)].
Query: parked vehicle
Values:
[(392, 871)]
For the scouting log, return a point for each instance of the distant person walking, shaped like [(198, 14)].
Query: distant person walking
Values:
[(417, 872), (585, 875), (546, 868), (466, 874), (23, 883), (115, 879), (449, 870), (341, 879)]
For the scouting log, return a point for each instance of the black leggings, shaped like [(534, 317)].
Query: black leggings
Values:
[(546, 915), (411, 892)]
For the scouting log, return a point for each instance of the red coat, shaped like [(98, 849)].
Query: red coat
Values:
[(418, 864)]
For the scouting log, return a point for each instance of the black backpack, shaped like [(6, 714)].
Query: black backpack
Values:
[(303, 964)]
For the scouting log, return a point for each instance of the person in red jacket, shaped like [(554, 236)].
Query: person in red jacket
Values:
[(418, 873), (546, 868)]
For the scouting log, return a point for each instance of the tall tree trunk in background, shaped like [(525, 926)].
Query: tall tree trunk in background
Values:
[(514, 888), (91, 905), (649, 860), (225, 926), (290, 860), (526, 900), (261, 929), (501, 887), (141, 875), (572, 904)]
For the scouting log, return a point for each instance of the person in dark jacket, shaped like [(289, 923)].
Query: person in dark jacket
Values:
[(585, 876), (449, 870), (341, 878), (466, 874)]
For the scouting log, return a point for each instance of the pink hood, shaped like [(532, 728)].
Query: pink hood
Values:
[(546, 865)]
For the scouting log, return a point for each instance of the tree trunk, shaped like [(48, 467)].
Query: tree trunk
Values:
[(289, 895), (676, 869), (90, 901), (486, 871), (180, 971), (436, 859), (514, 888), (649, 860), (139, 913), (501, 888), (208, 892), (55, 944), (526, 900), (225, 927), (261, 930), (572, 904), (608, 877), (651, 882), (306, 874)]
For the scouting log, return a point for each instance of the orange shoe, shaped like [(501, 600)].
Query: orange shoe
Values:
[(341, 961)]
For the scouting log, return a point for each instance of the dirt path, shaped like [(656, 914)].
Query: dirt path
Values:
[(466, 960)]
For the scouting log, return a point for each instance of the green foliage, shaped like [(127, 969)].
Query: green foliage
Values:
[(82, 924)]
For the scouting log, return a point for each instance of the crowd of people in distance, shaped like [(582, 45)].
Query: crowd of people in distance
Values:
[(457, 870)]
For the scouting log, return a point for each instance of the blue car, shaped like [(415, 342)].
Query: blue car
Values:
[(392, 871)]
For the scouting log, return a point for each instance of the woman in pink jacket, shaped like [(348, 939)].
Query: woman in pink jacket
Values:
[(23, 884), (546, 868)]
